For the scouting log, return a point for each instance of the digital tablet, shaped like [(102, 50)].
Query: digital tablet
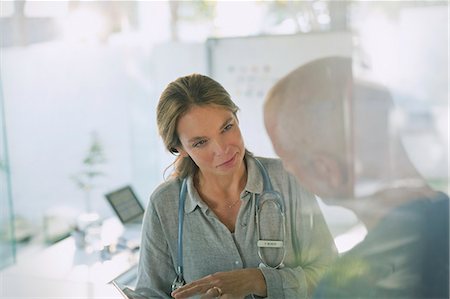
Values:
[(126, 292)]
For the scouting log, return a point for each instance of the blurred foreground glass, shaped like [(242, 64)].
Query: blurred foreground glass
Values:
[(7, 240), (404, 47)]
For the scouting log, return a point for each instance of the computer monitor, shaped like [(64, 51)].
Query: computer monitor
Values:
[(126, 205)]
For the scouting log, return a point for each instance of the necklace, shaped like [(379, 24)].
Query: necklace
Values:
[(197, 186)]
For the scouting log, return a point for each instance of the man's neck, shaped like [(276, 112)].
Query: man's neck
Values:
[(370, 209)]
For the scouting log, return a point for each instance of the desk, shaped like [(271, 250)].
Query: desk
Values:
[(13, 286), (63, 265)]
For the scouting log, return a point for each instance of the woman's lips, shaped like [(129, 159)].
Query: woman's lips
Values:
[(229, 162)]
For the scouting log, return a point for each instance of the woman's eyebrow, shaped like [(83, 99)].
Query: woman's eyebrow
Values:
[(226, 122), (197, 138)]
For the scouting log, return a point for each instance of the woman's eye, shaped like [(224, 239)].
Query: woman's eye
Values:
[(199, 143), (227, 127)]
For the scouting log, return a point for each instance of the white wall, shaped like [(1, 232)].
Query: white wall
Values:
[(57, 94), (167, 61)]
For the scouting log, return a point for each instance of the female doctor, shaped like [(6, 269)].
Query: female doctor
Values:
[(226, 224)]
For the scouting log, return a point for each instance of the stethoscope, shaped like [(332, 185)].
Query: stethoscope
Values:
[(268, 196)]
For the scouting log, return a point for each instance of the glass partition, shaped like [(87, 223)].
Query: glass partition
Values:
[(7, 243)]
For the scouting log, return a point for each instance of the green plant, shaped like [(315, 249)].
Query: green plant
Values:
[(91, 169)]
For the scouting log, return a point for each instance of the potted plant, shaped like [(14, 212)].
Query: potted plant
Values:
[(86, 181)]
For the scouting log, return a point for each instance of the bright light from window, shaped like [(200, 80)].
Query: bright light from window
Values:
[(43, 9), (351, 238), (6, 8), (238, 18), (324, 19), (84, 25)]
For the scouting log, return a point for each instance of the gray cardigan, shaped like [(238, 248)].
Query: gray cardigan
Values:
[(209, 247)]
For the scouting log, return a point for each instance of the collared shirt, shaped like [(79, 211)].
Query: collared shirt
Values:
[(210, 247)]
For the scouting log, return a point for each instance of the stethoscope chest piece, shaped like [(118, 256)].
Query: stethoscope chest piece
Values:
[(178, 282), (271, 229)]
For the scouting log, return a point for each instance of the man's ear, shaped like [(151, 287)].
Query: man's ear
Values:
[(328, 170)]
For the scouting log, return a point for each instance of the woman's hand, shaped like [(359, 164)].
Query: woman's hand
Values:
[(229, 285)]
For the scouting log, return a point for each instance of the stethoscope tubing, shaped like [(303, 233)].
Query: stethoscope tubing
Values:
[(277, 243), (179, 280), (267, 190)]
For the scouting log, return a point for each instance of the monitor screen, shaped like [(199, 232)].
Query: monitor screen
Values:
[(125, 204)]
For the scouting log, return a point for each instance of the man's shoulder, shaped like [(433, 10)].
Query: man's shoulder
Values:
[(435, 273)]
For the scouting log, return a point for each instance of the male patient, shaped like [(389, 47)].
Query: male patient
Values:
[(336, 135)]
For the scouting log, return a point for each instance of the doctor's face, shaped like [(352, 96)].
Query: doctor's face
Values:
[(210, 135)]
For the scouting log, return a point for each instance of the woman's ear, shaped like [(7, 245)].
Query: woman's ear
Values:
[(178, 151), (182, 152)]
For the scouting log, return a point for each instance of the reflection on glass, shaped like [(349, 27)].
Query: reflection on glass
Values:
[(339, 135), (118, 59)]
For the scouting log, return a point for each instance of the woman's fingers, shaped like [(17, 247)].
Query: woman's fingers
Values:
[(227, 285), (191, 289), (198, 287), (214, 292)]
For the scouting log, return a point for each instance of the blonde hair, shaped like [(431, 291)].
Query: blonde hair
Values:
[(176, 100)]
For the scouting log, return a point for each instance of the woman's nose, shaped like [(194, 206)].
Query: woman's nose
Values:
[(220, 147)]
